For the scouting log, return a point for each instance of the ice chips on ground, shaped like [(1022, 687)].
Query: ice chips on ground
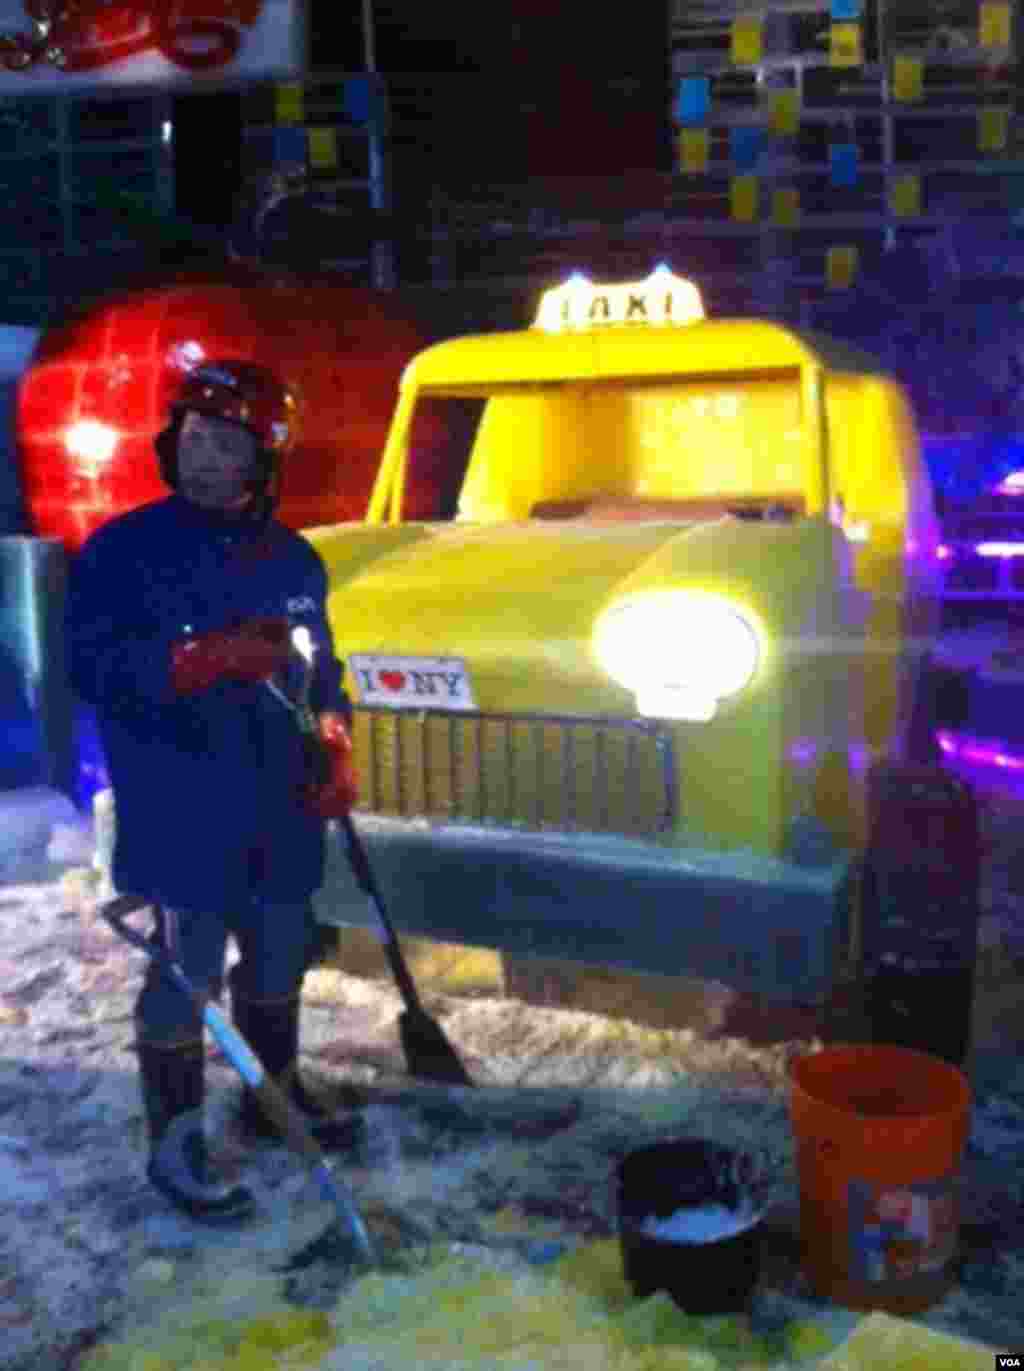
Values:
[(455, 1314)]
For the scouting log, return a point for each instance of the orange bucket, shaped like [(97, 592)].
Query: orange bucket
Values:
[(880, 1135)]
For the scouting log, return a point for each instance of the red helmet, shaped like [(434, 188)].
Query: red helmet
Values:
[(243, 393)]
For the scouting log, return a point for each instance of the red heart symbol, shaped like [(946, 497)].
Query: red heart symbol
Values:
[(392, 680)]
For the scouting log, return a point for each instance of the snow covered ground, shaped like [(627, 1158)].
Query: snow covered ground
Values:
[(89, 1252), (512, 1173)]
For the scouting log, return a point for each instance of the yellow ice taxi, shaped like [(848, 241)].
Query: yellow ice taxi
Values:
[(621, 708)]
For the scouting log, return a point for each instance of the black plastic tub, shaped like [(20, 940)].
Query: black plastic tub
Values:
[(703, 1275)]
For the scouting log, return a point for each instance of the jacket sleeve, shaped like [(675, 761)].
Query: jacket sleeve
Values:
[(326, 691), (118, 655)]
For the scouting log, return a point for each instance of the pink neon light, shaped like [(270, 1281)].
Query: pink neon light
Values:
[(943, 552), (1012, 485), (981, 751)]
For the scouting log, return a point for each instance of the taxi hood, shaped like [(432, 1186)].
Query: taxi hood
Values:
[(511, 601)]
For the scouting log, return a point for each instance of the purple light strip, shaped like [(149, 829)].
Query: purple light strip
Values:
[(980, 751), (997, 549), (983, 549)]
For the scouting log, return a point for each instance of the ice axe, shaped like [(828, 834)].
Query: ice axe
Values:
[(344, 1239), (428, 1053)]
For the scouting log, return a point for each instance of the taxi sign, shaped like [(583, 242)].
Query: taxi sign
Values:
[(662, 299)]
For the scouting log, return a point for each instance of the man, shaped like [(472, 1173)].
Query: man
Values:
[(180, 620)]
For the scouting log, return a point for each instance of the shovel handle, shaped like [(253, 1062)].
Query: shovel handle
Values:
[(233, 1045), (116, 913), (268, 1093), (361, 867), (367, 882)]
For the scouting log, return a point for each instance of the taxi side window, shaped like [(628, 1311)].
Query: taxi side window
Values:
[(442, 437)]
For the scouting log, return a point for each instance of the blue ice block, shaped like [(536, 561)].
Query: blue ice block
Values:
[(844, 164), (694, 100), (745, 147)]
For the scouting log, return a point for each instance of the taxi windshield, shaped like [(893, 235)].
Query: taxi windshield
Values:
[(537, 449)]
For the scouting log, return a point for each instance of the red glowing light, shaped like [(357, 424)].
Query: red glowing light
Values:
[(114, 369)]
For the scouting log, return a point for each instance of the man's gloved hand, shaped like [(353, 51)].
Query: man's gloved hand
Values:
[(252, 652), (335, 794)]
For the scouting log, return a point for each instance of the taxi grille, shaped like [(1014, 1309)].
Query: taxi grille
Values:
[(541, 772)]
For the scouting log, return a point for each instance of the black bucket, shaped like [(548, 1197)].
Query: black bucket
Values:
[(704, 1273)]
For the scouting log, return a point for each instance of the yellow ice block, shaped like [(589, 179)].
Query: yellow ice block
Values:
[(693, 150), (786, 207), (994, 26), (323, 148), (846, 46), (784, 113), (907, 78), (993, 129), (288, 103), (841, 266), (743, 198), (747, 43), (905, 196)]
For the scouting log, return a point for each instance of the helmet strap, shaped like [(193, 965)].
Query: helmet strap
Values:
[(263, 487)]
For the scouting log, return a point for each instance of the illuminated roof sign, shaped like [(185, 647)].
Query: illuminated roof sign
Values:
[(662, 299)]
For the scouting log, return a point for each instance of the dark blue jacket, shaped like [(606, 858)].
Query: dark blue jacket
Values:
[(205, 785)]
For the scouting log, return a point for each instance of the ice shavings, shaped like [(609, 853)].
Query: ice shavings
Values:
[(701, 1223), (29, 819)]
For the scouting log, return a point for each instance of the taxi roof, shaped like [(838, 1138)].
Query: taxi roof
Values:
[(712, 347)]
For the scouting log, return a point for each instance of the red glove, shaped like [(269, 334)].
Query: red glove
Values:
[(336, 796), (251, 652)]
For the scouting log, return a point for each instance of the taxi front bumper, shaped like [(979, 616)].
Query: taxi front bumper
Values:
[(758, 924)]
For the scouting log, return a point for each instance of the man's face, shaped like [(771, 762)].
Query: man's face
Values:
[(216, 462)]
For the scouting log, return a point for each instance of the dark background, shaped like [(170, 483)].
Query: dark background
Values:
[(498, 92)]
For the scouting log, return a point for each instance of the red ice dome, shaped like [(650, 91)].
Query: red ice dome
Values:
[(99, 385)]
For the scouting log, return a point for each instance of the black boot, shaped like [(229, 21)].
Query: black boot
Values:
[(172, 1096), (271, 1028)]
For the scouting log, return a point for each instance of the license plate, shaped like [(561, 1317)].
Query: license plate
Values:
[(412, 682)]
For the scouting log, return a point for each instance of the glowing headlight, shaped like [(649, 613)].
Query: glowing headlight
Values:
[(681, 652)]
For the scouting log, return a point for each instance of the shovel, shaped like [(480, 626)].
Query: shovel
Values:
[(427, 1050), (428, 1053), (344, 1239)]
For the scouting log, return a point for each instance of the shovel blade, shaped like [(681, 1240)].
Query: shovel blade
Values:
[(334, 1245), (429, 1054)]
